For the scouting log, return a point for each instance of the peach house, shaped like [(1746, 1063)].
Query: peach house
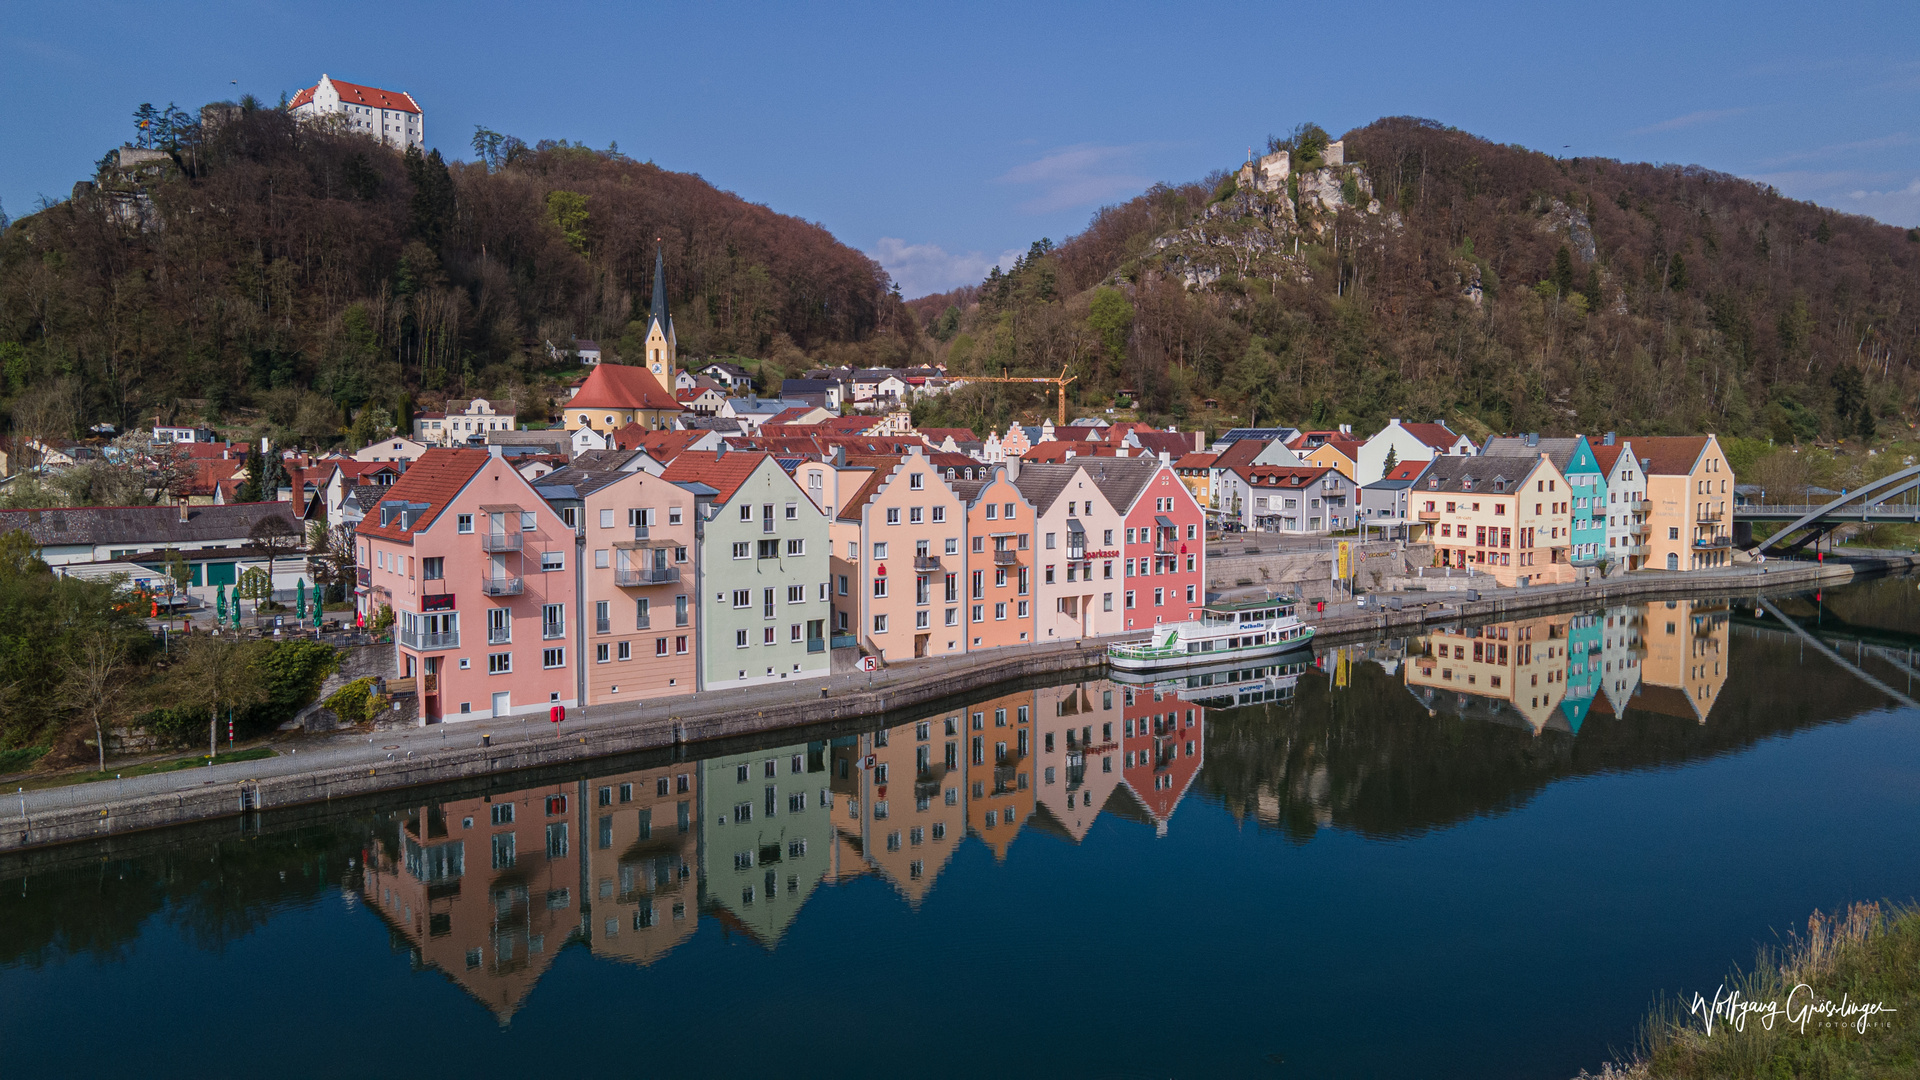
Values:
[(911, 528), (641, 610), (479, 572), (1511, 517), (1078, 594)]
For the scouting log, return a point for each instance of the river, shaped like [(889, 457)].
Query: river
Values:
[(1480, 852)]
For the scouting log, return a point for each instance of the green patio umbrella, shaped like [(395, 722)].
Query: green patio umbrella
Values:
[(236, 609), (300, 601), (219, 603)]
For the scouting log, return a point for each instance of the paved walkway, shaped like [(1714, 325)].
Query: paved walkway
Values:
[(359, 747)]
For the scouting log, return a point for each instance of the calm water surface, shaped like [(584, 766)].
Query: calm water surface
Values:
[(1479, 853)]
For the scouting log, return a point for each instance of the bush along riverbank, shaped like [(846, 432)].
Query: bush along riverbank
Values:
[(1842, 1001)]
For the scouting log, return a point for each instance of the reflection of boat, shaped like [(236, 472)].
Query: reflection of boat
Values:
[(1226, 632), (1225, 685)]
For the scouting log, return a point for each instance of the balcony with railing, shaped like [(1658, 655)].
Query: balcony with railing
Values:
[(603, 626), (1710, 543), (1010, 557), (502, 541), (926, 563), (1637, 551), (845, 641), (1708, 513), (502, 586), (640, 532), (1640, 506), (634, 576), (425, 642), (1640, 528), (500, 635), (553, 631), (641, 622)]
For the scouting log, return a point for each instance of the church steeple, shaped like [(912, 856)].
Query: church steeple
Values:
[(661, 352)]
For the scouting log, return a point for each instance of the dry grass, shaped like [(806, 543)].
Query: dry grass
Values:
[(1866, 956)]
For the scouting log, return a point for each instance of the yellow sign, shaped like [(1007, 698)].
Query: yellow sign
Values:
[(1346, 556)]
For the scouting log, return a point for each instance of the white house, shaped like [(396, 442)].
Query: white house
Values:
[(391, 116), (585, 439), (731, 376), (1627, 506), (394, 449), (163, 434), (461, 421), (587, 351), (1408, 442), (1294, 499)]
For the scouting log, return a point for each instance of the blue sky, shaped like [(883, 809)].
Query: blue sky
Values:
[(944, 138)]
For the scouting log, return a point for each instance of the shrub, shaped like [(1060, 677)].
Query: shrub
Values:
[(356, 703)]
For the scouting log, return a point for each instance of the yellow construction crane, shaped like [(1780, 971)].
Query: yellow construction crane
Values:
[(1060, 382)]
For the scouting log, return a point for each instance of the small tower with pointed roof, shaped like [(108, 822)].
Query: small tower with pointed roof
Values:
[(661, 351)]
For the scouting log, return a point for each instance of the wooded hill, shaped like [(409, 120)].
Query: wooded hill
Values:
[(1610, 296), (310, 272)]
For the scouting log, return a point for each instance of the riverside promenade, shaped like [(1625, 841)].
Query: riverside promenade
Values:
[(355, 762)]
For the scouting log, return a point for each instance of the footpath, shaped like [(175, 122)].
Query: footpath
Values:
[(320, 769)]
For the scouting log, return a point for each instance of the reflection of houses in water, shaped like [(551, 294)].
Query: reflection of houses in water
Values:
[(1078, 765), (1230, 685), (1512, 673), (486, 890), (1584, 670), (642, 851), (1620, 651), (999, 761), (1686, 659), (904, 815), (1163, 737), (767, 838)]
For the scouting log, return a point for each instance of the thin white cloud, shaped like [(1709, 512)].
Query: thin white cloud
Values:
[(1692, 119), (921, 269), (1879, 195), (1897, 207), (1082, 175), (1899, 138)]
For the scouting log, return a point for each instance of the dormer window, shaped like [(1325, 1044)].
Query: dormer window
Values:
[(1466, 483)]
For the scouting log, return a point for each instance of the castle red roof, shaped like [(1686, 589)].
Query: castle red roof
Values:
[(354, 94)]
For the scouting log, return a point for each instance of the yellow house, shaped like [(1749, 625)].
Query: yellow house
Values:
[(1511, 517), (1690, 495), (1196, 471), (1341, 455)]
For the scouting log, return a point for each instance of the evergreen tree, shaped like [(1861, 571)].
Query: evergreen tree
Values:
[(249, 489), (430, 211), (1677, 274), (1563, 272)]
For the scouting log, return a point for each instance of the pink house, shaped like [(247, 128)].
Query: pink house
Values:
[(480, 573), (1165, 555)]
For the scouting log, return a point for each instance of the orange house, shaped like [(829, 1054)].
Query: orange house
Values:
[(995, 594), (1690, 489)]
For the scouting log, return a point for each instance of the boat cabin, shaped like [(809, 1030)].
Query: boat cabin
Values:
[(1258, 610)]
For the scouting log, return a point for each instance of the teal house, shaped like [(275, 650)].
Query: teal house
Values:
[(1584, 679)]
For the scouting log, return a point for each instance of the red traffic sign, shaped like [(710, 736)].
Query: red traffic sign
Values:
[(869, 663), (867, 762), (557, 713)]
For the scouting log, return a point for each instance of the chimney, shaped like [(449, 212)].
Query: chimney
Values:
[(720, 451), (1607, 440), (493, 449), (1533, 438), (1013, 468), (183, 511)]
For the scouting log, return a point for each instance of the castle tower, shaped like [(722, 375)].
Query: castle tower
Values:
[(661, 354)]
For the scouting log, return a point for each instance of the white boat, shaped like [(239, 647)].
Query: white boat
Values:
[(1226, 632), (1257, 682)]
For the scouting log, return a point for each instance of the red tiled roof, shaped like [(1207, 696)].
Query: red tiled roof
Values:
[(1240, 453), (1196, 460), (207, 475), (850, 510), (623, 386), (434, 479), (355, 94), (1059, 450), (203, 450), (722, 472), (788, 416), (1607, 456), (936, 435), (662, 446), (1669, 455), (1282, 475), (1406, 470), (1438, 436)]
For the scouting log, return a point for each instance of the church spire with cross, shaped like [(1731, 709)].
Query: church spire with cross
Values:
[(661, 351)]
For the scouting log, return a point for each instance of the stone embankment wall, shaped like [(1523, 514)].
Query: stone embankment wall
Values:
[(703, 720), (1309, 574)]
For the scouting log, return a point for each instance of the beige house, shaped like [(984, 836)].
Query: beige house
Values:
[(1511, 517), (1690, 500)]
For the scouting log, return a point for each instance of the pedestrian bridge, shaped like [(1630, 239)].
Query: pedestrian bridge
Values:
[(1871, 503)]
